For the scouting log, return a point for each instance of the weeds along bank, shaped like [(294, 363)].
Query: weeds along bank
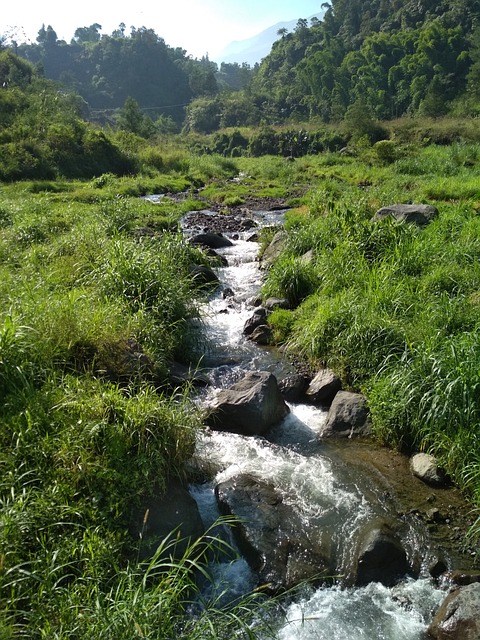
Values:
[(392, 307), (93, 308), (96, 299)]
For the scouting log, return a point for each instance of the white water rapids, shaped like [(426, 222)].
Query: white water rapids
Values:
[(309, 478)]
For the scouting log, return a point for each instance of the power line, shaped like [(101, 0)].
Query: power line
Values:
[(168, 106)]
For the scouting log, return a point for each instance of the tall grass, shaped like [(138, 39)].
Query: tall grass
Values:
[(394, 307), (160, 599), (82, 444)]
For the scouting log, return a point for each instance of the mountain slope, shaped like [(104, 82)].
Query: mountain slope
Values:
[(254, 49)]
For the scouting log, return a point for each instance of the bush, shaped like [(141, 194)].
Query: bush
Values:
[(386, 151), (292, 279)]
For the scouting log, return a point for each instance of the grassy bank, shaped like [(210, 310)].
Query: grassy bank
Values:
[(95, 301), (393, 308)]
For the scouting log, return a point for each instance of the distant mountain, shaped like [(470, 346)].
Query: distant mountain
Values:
[(257, 47)]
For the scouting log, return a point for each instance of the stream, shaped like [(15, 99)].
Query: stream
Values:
[(321, 481)]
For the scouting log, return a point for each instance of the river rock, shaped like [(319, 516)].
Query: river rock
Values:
[(272, 536), (120, 361), (460, 577), (258, 318), (203, 276), (274, 249), (212, 240), (271, 304), (183, 374), (419, 214), (293, 387), (348, 416), (175, 512), (324, 387), (424, 466), (459, 615), (250, 407), (217, 258), (380, 556), (261, 335)]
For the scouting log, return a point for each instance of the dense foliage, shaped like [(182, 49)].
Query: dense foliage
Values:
[(107, 70), (386, 58), (389, 58)]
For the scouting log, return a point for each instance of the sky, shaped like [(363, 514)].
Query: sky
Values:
[(199, 26)]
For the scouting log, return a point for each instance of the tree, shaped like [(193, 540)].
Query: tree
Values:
[(47, 37), (131, 118), (203, 115), (88, 34)]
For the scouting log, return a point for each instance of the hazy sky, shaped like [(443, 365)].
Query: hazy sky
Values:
[(199, 26)]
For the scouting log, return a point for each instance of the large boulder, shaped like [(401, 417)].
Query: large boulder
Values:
[(272, 536), (380, 556), (348, 416), (250, 407), (174, 513), (459, 615), (424, 466), (420, 214), (324, 387)]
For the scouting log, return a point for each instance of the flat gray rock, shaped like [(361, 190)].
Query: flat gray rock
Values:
[(420, 214)]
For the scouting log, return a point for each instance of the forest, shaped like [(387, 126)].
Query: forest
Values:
[(395, 59), (376, 104)]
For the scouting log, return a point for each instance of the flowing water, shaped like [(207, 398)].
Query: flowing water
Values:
[(312, 478)]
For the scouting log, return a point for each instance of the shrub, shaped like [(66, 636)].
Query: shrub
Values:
[(386, 151)]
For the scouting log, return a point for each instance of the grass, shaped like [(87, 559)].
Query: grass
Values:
[(95, 302), (91, 315), (394, 307)]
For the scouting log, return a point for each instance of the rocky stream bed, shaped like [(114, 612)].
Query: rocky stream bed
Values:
[(325, 506)]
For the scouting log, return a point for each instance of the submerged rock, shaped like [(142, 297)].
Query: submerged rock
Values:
[(381, 556), (272, 535), (250, 407)]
